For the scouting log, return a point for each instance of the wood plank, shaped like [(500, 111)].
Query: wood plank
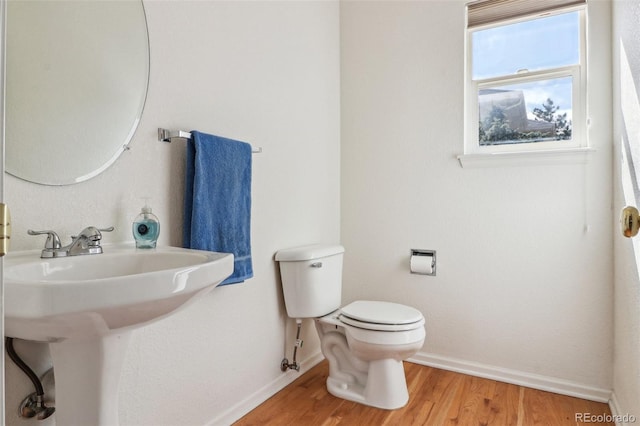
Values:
[(436, 397), (504, 405)]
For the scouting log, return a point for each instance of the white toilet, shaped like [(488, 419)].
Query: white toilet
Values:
[(365, 342)]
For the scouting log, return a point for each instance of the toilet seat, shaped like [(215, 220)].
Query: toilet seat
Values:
[(381, 316)]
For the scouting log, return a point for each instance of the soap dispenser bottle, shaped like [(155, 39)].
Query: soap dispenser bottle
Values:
[(146, 228)]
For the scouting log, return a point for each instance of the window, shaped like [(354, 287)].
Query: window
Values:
[(525, 76)]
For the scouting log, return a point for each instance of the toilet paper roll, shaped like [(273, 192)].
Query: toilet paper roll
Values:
[(422, 265)]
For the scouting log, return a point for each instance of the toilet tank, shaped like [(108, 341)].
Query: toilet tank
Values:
[(311, 279)]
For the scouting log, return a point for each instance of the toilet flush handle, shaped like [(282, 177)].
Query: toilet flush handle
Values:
[(316, 265)]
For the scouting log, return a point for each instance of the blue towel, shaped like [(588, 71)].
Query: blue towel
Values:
[(217, 202)]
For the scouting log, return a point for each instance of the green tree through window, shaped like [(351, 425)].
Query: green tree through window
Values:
[(548, 114)]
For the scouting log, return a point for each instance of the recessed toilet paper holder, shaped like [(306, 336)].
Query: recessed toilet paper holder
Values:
[(420, 253)]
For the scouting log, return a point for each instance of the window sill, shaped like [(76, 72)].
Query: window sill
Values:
[(526, 158)]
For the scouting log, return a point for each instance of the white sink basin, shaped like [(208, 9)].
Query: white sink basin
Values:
[(91, 295), (87, 306)]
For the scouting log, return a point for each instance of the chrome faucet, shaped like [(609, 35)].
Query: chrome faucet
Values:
[(87, 242)]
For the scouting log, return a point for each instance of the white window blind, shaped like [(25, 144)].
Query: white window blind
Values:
[(483, 12)]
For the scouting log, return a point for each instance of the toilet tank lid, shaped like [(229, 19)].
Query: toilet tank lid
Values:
[(309, 252)]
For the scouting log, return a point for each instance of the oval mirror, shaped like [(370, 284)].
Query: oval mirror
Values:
[(77, 75)]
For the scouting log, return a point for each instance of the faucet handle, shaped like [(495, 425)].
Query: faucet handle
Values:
[(92, 234), (97, 236), (53, 241)]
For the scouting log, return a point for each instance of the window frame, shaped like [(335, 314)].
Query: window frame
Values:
[(577, 72)]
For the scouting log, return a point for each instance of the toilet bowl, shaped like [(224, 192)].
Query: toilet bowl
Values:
[(365, 342), (365, 356)]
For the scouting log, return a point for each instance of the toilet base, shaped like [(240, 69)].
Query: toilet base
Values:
[(386, 386), (355, 376)]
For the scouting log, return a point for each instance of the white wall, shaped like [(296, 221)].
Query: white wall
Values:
[(263, 72), (626, 76), (524, 254)]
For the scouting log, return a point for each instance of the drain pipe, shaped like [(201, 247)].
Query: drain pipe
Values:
[(33, 405), (285, 365)]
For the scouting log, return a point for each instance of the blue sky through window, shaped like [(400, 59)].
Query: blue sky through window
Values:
[(543, 43)]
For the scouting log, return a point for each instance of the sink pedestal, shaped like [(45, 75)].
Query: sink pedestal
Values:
[(87, 373)]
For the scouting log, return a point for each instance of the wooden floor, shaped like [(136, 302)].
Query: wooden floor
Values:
[(436, 397)]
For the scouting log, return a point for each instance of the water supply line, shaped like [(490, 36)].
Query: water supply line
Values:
[(285, 365), (33, 405)]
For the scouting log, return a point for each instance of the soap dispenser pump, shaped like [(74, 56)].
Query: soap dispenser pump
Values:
[(146, 228)]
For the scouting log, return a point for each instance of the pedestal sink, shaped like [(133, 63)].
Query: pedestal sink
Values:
[(86, 307)]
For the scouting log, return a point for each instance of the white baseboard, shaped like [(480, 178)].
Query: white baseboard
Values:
[(615, 408), (620, 418), (252, 401), (535, 381)]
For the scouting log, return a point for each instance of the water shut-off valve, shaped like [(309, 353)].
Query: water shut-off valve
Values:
[(285, 365)]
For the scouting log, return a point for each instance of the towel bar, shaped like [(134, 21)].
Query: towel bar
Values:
[(165, 135)]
